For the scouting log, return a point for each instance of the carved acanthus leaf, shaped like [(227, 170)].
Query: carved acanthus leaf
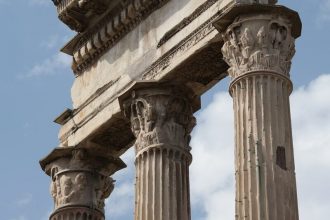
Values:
[(259, 42), (164, 117)]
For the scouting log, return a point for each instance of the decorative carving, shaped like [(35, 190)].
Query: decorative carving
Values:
[(79, 158), (259, 42), (62, 190), (74, 188), (191, 40), (87, 47), (160, 116), (73, 19), (186, 21), (81, 183), (80, 177), (109, 26), (66, 190), (104, 190), (151, 73), (79, 14), (96, 6), (69, 188)]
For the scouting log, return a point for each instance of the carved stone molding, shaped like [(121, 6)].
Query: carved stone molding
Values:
[(80, 177), (182, 47), (186, 21), (160, 115), (81, 14), (94, 41), (257, 41), (76, 14)]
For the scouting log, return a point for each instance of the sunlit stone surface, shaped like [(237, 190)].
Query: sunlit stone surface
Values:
[(141, 67)]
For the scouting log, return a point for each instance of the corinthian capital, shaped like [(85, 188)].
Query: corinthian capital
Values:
[(261, 40), (160, 115), (80, 177)]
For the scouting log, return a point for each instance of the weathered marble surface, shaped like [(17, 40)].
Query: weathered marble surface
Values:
[(259, 47), (141, 67), (157, 49), (80, 178)]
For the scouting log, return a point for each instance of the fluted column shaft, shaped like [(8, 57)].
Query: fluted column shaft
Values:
[(162, 121), (259, 48), (265, 177), (162, 184)]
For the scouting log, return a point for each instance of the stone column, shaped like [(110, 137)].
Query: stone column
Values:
[(259, 46), (80, 182), (161, 119)]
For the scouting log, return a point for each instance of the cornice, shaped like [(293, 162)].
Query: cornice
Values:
[(88, 46), (80, 15)]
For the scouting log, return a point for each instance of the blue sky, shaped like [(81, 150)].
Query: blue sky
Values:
[(35, 83)]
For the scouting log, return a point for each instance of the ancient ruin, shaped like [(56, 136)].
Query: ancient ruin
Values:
[(141, 67)]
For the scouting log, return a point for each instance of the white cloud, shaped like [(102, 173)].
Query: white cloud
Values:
[(120, 205), (50, 66), (212, 183), (212, 171), (311, 132)]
